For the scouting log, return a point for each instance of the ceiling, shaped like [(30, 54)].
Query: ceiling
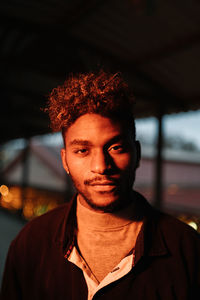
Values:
[(155, 44)]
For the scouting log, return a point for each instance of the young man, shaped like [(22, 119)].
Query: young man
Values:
[(108, 242)]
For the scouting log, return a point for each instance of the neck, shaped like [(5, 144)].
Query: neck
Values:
[(92, 218)]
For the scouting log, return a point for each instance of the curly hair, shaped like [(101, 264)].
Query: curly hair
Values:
[(101, 93)]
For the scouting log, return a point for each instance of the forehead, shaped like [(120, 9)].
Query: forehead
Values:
[(94, 128)]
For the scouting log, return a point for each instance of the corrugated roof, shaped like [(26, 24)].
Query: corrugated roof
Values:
[(156, 45)]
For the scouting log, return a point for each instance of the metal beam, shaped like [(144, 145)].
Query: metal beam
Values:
[(158, 192)]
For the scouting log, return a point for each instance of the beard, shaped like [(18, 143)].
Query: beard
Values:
[(122, 196), (106, 208)]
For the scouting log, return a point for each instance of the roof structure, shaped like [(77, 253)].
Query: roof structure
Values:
[(44, 168), (155, 44)]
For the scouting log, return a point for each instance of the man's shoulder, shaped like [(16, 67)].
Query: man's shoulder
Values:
[(170, 227), (173, 222), (44, 227), (176, 231)]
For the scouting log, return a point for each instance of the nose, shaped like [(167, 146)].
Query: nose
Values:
[(100, 162)]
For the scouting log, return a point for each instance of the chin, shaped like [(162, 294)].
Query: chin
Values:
[(104, 203)]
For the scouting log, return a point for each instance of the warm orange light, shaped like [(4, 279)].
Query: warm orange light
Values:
[(4, 190), (32, 202), (16, 203), (28, 211), (12, 198), (52, 205), (7, 198)]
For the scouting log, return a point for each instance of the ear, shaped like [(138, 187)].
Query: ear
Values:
[(64, 162), (138, 154)]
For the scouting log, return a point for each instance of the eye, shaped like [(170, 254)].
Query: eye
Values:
[(119, 148), (81, 151)]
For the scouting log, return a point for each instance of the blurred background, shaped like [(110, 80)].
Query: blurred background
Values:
[(156, 46)]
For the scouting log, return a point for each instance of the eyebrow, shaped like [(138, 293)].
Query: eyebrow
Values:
[(79, 142)]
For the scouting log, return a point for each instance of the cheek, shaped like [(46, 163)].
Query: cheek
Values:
[(77, 167), (125, 162)]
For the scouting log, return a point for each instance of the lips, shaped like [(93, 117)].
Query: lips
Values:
[(104, 186), (103, 183)]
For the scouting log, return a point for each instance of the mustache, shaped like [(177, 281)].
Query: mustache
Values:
[(99, 180)]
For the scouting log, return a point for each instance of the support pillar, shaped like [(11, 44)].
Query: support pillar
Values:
[(25, 169), (158, 192)]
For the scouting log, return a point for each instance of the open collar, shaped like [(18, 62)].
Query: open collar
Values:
[(150, 241)]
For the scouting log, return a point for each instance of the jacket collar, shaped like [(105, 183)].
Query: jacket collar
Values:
[(64, 235), (150, 241)]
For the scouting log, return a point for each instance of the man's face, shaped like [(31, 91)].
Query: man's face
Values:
[(101, 159)]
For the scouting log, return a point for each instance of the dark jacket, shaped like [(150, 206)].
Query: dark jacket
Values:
[(167, 261)]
